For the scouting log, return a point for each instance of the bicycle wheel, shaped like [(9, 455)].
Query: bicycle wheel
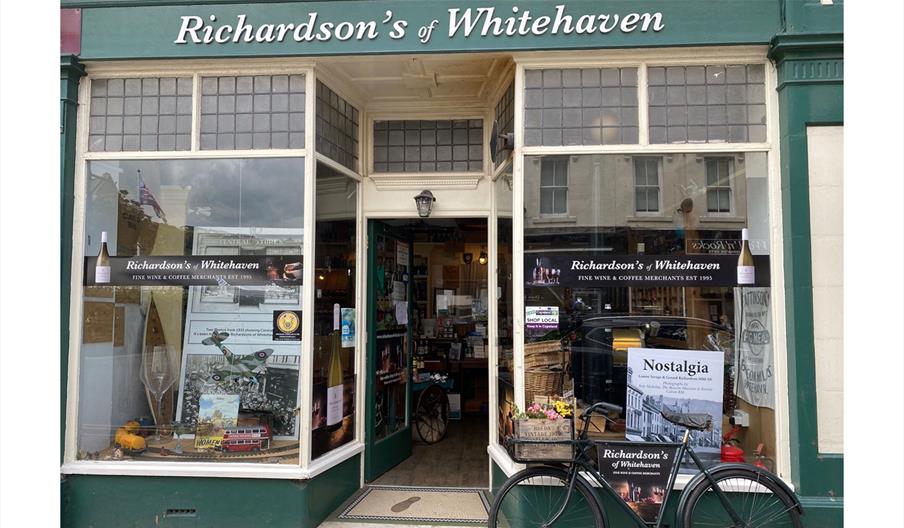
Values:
[(532, 497), (758, 501), (432, 414)]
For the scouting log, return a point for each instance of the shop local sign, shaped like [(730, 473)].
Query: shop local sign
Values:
[(468, 22), (541, 317)]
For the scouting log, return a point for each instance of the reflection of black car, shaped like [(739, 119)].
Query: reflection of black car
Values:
[(599, 349)]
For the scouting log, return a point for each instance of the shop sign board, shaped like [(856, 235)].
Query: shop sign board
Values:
[(599, 270), (396, 26), (200, 270), (639, 473)]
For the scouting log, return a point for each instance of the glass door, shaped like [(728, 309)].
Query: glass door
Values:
[(388, 358)]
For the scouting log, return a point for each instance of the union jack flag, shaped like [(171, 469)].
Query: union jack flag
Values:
[(146, 198)]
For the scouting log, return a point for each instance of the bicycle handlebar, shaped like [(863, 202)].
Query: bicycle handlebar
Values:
[(596, 407)]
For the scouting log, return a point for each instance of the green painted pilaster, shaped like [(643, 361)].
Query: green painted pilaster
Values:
[(809, 57), (70, 73)]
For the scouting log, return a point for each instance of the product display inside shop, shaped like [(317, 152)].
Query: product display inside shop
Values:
[(647, 286), (192, 310)]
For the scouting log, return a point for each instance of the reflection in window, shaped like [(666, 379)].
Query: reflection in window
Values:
[(207, 351), (554, 186), (598, 323), (333, 401), (718, 184), (646, 185)]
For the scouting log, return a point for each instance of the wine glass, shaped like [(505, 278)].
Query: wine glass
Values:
[(179, 429), (158, 376)]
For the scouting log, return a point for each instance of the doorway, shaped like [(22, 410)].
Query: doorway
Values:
[(428, 378)]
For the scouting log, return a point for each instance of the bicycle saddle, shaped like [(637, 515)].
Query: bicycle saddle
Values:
[(696, 421)]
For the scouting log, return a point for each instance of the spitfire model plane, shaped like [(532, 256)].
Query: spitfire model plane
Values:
[(238, 368)]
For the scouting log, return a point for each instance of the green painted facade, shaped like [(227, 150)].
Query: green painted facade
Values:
[(806, 43), (105, 501)]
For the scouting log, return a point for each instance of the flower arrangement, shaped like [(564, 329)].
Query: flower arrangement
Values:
[(554, 410)]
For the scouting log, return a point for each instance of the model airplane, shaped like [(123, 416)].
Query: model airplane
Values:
[(239, 369)]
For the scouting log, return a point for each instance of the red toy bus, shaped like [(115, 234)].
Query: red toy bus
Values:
[(246, 438)]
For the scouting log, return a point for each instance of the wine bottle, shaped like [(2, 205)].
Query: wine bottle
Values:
[(334, 389), (102, 267), (745, 260)]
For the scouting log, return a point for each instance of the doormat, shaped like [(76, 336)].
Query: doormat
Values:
[(403, 503)]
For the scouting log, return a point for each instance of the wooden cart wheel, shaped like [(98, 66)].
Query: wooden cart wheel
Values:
[(432, 414)]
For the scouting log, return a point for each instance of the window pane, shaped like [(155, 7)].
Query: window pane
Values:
[(258, 105), (546, 206), (149, 98), (560, 205), (206, 349), (608, 315), (606, 97), (337, 127), (677, 96), (459, 142), (334, 355)]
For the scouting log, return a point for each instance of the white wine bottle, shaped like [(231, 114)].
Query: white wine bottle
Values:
[(334, 389), (102, 267), (746, 271)]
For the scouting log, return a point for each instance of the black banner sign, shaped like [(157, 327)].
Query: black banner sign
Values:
[(599, 270), (200, 270), (639, 473)]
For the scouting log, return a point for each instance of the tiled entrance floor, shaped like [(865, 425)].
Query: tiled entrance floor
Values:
[(458, 461)]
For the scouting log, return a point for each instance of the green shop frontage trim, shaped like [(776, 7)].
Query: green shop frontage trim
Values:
[(619, 202)]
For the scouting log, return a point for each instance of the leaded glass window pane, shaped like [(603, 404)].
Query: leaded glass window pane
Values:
[(428, 146), (252, 112), (707, 104), (590, 106), (149, 114)]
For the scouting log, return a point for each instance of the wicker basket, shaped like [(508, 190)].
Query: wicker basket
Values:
[(543, 369), (541, 382), (542, 354)]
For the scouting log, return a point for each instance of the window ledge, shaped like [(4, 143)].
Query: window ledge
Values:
[(563, 219), (712, 219), (651, 218), (212, 469)]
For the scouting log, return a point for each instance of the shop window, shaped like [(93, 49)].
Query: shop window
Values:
[(335, 312), (505, 119), (554, 186), (337, 127), (428, 146), (707, 104), (590, 106), (646, 185), (253, 112), (505, 393), (633, 312), (194, 338), (140, 114), (718, 184)]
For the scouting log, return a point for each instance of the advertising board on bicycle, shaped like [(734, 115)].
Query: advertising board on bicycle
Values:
[(639, 473)]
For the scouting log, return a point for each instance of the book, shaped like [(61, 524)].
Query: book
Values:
[(216, 412)]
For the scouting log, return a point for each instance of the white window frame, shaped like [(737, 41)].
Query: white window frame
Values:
[(555, 188), (729, 184), (305, 468), (642, 59), (645, 187)]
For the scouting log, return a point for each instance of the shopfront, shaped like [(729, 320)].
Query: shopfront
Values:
[(320, 245)]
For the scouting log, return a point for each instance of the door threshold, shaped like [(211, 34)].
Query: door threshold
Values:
[(380, 506)]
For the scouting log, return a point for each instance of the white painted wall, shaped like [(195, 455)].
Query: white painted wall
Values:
[(825, 146)]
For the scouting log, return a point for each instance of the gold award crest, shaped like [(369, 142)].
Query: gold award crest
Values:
[(287, 322)]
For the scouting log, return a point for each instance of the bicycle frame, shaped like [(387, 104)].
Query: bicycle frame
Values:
[(583, 463)]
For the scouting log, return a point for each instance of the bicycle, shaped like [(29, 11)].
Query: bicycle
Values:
[(727, 495), (432, 412)]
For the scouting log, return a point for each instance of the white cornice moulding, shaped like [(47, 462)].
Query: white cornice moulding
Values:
[(439, 180)]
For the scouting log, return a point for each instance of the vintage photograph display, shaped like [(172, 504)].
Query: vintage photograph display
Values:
[(228, 344)]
